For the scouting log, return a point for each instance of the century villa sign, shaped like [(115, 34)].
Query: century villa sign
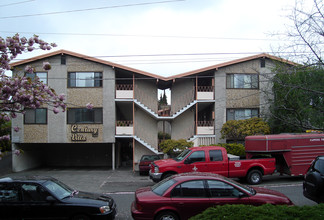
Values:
[(78, 132)]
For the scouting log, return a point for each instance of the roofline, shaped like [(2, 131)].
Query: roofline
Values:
[(115, 65), (82, 56), (241, 60)]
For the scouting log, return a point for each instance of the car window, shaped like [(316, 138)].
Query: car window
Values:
[(8, 193), (221, 189), (162, 186), (190, 189), (33, 192), (59, 190), (215, 155), (197, 156), (319, 166)]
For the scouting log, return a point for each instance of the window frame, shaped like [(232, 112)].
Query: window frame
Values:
[(35, 120), (75, 79), (94, 121), (34, 74), (235, 109), (231, 77)]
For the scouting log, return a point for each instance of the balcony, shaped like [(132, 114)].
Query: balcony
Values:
[(124, 128), (205, 93), (205, 127), (124, 91)]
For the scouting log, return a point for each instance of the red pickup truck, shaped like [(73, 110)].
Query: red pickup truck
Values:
[(212, 159)]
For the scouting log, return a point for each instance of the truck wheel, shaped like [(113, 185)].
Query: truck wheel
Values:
[(254, 177)]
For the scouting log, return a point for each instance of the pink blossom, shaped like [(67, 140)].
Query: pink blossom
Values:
[(46, 66), (16, 129), (29, 69), (61, 97), (89, 106), (17, 152), (56, 110), (5, 138)]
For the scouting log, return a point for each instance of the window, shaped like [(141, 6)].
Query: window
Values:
[(41, 75), (84, 116), (242, 81), (85, 79), (197, 156), (240, 114), (215, 155), (190, 189), (221, 189), (33, 192), (36, 116), (8, 193)]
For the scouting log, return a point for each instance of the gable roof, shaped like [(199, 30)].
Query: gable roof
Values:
[(229, 63), (61, 52), (115, 65)]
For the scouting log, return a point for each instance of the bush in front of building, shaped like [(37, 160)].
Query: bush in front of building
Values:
[(264, 212), (234, 148), (237, 130), (174, 147)]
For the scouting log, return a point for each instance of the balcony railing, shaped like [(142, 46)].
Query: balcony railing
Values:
[(124, 127), (205, 93), (205, 127), (124, 91)]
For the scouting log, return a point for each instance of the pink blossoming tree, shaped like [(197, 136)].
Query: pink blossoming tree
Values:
[(19, 93)]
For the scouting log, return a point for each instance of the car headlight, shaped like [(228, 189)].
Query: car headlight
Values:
[(104, 209), (156, 169)]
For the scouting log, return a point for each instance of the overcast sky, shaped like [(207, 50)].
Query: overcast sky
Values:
[(161, 37)]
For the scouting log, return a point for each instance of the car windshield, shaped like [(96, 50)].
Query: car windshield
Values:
[(60, 190), (162, 186), (182, 155), (150, 157)]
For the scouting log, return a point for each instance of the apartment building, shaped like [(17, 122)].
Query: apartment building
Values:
[(124, 123)]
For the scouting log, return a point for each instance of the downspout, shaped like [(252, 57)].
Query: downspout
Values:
[(133, 122)]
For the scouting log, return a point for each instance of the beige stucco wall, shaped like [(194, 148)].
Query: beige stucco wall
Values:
[(35, 133), (242, 98)]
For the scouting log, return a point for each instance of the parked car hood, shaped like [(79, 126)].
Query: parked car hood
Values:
[(86, 197), (276, 196)]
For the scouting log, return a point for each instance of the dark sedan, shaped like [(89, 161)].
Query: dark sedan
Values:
[(145, 162), (184, 195), (48, 198)]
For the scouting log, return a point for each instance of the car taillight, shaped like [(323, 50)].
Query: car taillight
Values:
[(139, 207)]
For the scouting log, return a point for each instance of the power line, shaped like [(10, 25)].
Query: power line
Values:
[(89, 9), (145, 35), (16, 3)]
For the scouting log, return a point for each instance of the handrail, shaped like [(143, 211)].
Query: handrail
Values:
[(124, 123), (124, 86), (205, 88)]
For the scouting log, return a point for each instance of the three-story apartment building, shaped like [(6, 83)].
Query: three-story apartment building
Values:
[(123, 125)]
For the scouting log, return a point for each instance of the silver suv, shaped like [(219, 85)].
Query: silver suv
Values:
[(313, 185)]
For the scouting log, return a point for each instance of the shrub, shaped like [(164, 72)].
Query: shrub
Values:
[(238, 130), (235, 149), (174, 147), (267, 211)]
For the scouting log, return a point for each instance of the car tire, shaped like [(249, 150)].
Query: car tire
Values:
[(314, 183), (167, 215), (80, 217), (254, 177)]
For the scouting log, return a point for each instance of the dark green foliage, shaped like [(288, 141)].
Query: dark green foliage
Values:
[(298, 103), (238, 129), (235, 149), (268, 211), (163, 136), (174, 147)]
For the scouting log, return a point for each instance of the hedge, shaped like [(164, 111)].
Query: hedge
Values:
[(264, 212)]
